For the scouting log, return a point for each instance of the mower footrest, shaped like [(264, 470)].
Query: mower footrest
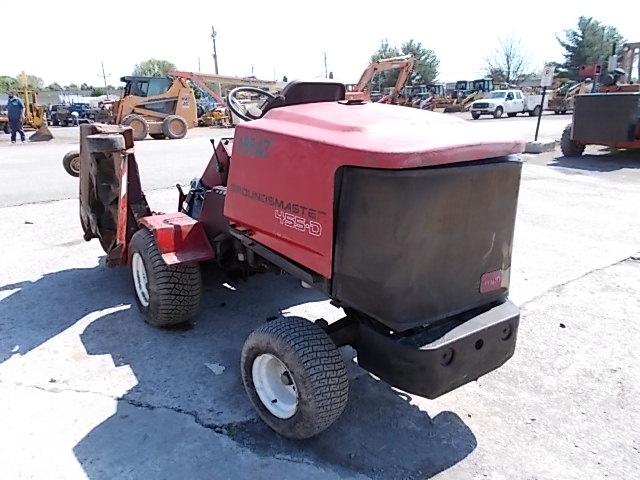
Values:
[(179, 238), (463, 354)]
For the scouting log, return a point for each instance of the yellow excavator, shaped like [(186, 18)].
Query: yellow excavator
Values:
[(363, 87)]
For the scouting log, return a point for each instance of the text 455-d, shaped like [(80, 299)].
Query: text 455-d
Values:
[(299, 223)]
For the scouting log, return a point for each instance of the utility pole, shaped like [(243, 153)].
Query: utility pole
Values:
[(215, 52), (326, 74), (199, 65), (104, 77)]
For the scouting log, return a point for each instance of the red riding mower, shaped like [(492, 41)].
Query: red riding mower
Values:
[(404, 218)]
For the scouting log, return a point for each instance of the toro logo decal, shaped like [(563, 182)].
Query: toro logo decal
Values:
[(251, 146), (491, 281)]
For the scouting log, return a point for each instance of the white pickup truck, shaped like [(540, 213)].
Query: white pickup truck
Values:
[(511, 102)]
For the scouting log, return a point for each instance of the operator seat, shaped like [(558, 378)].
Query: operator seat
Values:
[(298, 92)]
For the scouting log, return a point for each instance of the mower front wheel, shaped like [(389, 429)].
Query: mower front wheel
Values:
[(295, 377), (166, 294), (71, 163)]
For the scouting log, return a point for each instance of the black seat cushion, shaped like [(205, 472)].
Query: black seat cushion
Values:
[(298, 92)]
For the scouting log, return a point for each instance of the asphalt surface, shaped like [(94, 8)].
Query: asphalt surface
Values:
[(33, 172), (88, 390)]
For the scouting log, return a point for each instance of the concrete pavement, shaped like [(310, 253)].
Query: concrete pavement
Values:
[(33, 172), (88, 390)]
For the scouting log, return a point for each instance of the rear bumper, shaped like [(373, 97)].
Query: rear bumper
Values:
[(463, 354)]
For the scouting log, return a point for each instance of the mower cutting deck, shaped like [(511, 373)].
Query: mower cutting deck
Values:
[(404, 218)]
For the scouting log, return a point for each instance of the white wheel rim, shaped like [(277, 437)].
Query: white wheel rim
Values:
[(140, 281), (275, 385)]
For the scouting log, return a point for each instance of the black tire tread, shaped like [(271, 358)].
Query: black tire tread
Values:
[(179, 287), (568, 147), (324, 371), (134, 116), (167, 131), (66, 162)]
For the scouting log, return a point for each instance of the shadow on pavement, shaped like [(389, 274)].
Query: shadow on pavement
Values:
[(39, 310), (607, 161), (196, 372)]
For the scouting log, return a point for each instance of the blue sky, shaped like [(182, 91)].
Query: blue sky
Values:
[(283, 38)]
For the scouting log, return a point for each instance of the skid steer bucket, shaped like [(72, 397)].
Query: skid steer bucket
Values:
[(43, 134)]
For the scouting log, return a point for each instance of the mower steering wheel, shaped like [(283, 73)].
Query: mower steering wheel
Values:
[(248, 111)]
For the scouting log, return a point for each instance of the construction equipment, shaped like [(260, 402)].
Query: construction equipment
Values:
[(561, 100), (4, 122), (161, 107), (610, 117), (475, 90), (34, 116), (363, 87), (331, 191), (630, 51), (212, 110)]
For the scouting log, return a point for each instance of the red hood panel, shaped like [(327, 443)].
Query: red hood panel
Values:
[(388, 129)]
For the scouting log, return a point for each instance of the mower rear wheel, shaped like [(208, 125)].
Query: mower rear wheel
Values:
[(166, 294), (569, 147), (138, 124), (295, 377), (174, 127), (71, 163)]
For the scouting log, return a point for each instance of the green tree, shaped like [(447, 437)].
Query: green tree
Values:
[(34, 82), (509, 62), (153, 67), (72, 87), (425, 68), (590, 42), (54, 87), (8, 83), (85, 86)]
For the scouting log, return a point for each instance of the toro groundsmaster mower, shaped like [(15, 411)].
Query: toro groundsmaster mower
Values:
[(404, 218)]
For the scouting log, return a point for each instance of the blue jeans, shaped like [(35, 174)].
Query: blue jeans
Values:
[(15, 124)]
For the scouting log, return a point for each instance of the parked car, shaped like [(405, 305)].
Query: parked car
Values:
[(511, 102)]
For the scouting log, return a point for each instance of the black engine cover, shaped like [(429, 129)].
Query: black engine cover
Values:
[(412, 245)]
